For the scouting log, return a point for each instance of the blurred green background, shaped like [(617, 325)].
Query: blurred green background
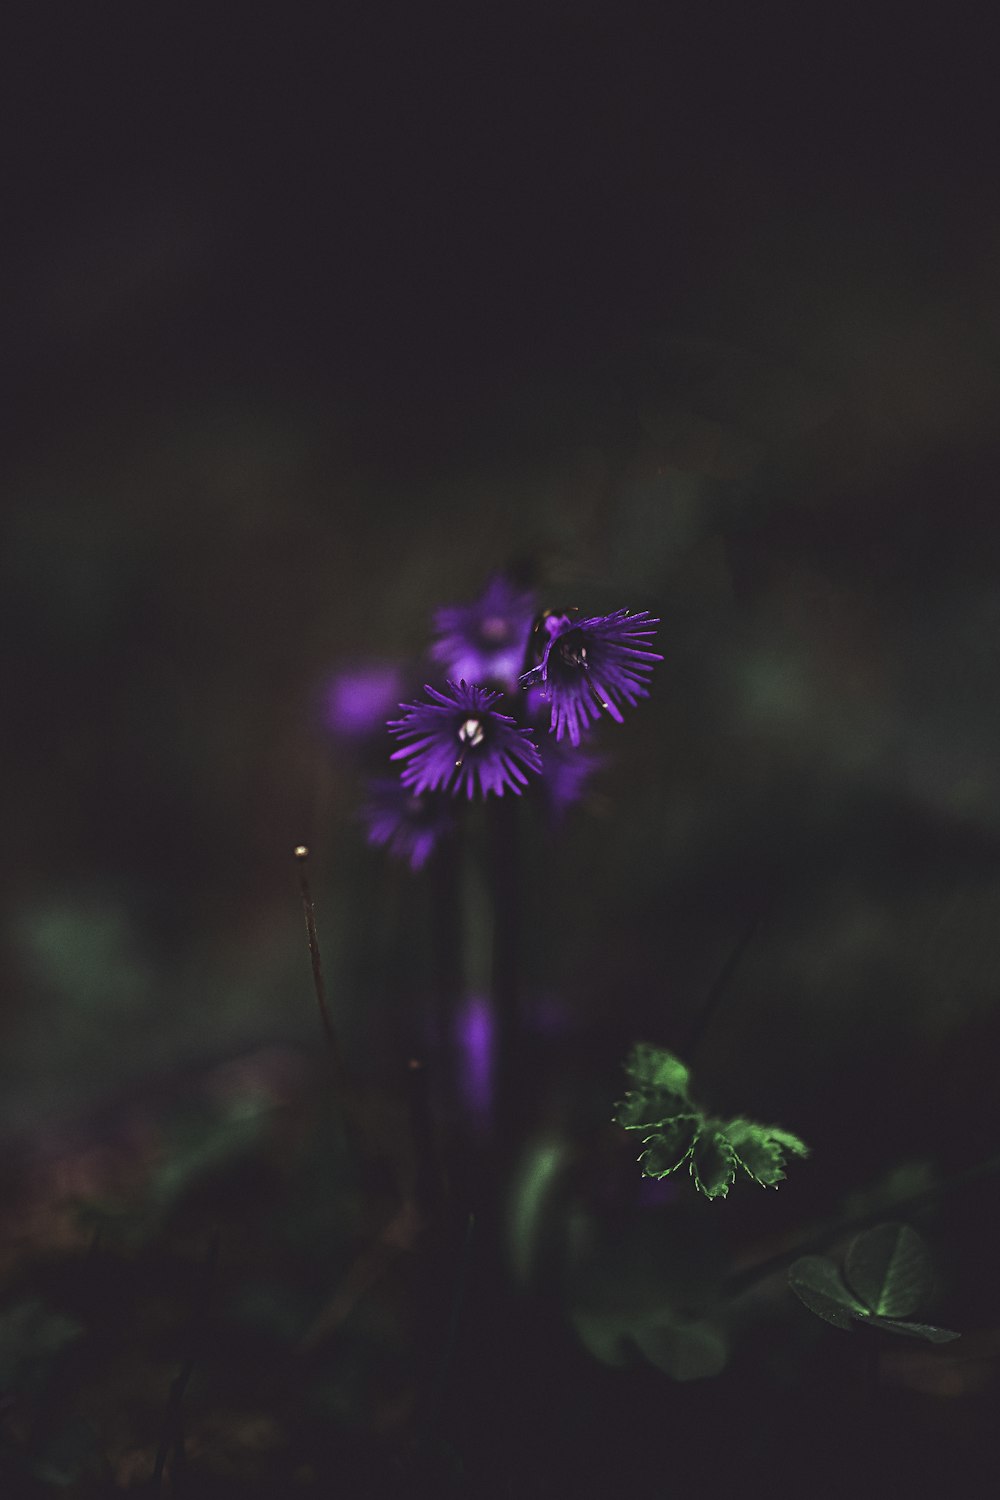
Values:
[(311, 329)]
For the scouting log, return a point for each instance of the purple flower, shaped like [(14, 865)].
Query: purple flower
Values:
[(358, 700), (565, 774), (486, 641), (408, 824), (590, 665), (459, 739)]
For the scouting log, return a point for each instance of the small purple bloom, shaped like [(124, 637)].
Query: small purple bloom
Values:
[(565, 774), (358, 699), (408, 824), (595, 664), (460, 740), (486, 641)]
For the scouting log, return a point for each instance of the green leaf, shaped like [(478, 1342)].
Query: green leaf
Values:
[(694, 1350), (793, 1144), (644, 1109), (816, 1281), (682, 1348), (604, 1335), (674, 1128), (916, 1330), (889, 1268), (760, 1149), (667, 1148), (713, 1164), (654, 1068)]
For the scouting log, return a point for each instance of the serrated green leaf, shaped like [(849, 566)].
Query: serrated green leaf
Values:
[(655, 1068), (713, 1164), (793, 1144), (757, 1155), (760, 1149), (916, 1330), (816, 1281), (889, 1268), (660, 1098), (645, 1109), (668, 1147)]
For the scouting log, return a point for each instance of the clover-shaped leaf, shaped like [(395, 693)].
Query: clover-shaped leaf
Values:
[(816, 1281), (926, 1331), (889, 1267), (888, 1271)]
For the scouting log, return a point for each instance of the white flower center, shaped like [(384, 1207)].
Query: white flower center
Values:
[(471, 733)]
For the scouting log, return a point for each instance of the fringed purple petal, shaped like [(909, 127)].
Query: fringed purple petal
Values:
[(461, 743), (593, 666)]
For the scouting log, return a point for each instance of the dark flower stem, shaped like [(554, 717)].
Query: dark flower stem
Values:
[(506, 894), (447, 932), (429, 1184), (347, 1099), (332, 1040)]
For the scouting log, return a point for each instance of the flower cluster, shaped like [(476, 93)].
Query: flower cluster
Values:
[(464, 739)]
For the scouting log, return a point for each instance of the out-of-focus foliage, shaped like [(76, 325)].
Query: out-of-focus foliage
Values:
[(31, 1337), (683, 1348)]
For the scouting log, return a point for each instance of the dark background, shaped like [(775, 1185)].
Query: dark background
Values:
[(312, 321)]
